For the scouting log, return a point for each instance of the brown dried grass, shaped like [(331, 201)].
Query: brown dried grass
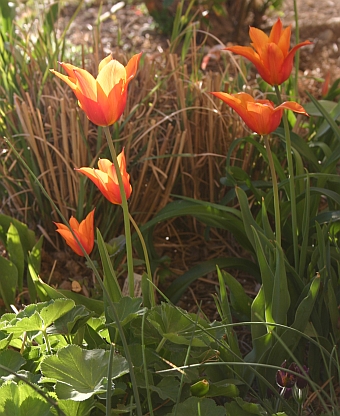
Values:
[(174, 135)]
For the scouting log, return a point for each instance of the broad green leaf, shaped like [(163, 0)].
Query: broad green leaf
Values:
[(12, 360), (72, 408), (241, 408), (176, 325), (71, 321), (312, 110), (55, 310), (127, 309), (167, 388), (5, 339), (79, 374), (8, 282), (195, 406), (21, 400), (16, 253)]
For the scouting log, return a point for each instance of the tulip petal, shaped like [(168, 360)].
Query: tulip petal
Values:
[(284, 41), (276, 32), (247, 52), (292, 105), (65, 78), (272, 60), (259, 39), (111, 75), (86, 83), (104, 62), (132, 66)]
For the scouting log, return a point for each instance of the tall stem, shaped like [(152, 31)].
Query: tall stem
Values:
[(297, 55), (275, 192), (125, 213), (291, 179), (147, 261)]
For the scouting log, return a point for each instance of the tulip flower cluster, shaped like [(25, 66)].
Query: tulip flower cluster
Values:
[(274, 62), (103, 99)]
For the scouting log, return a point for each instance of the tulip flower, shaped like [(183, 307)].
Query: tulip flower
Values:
[(103, 99), (270, 54), (259, 115), (84, 232), (106, 180)]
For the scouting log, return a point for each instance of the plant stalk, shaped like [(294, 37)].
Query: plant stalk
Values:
[(275, 191), (125, 213), (147, 261), (291, 178)]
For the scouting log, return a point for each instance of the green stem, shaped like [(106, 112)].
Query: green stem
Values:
[(147, 261), (275, 191), (291, 178), (48, 346), (109, 381), (297, 54), (160, 345), (125, 213)]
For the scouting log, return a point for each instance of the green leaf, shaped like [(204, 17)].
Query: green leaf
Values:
[(16, 253), (27, 237), (71, 321), (8, 282), (242, 408), (5, 339), (167, 388), (21, 400), (191, 405), (177, 325), (79, 374), (12, 360), (72, 408), (239, 300), (110, 279), (34, 263), (178, 286), (127, 309)]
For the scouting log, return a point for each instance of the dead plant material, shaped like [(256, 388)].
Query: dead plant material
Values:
[(175, 139)]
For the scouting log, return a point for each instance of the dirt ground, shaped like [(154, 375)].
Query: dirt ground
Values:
[(130, 28)]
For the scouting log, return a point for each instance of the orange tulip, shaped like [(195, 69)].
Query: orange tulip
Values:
[(103, 99), (270, 55), (106, 180), (259, 115), (84, 232)]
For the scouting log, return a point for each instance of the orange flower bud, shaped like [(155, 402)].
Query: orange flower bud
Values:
[(270, 54), (259, 115), (106, 180), (103, 99), (84, 232)]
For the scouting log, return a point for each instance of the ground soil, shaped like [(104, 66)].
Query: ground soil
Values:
[(131, 29)]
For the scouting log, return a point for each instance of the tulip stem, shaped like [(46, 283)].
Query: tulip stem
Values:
[(291, 178), (125, 213), (147, 261), (275, 191), (297, 55)]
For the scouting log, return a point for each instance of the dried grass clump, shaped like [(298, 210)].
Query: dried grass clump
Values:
[(175, 140)]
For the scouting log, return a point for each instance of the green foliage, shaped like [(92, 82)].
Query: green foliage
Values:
[(19, 243)]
